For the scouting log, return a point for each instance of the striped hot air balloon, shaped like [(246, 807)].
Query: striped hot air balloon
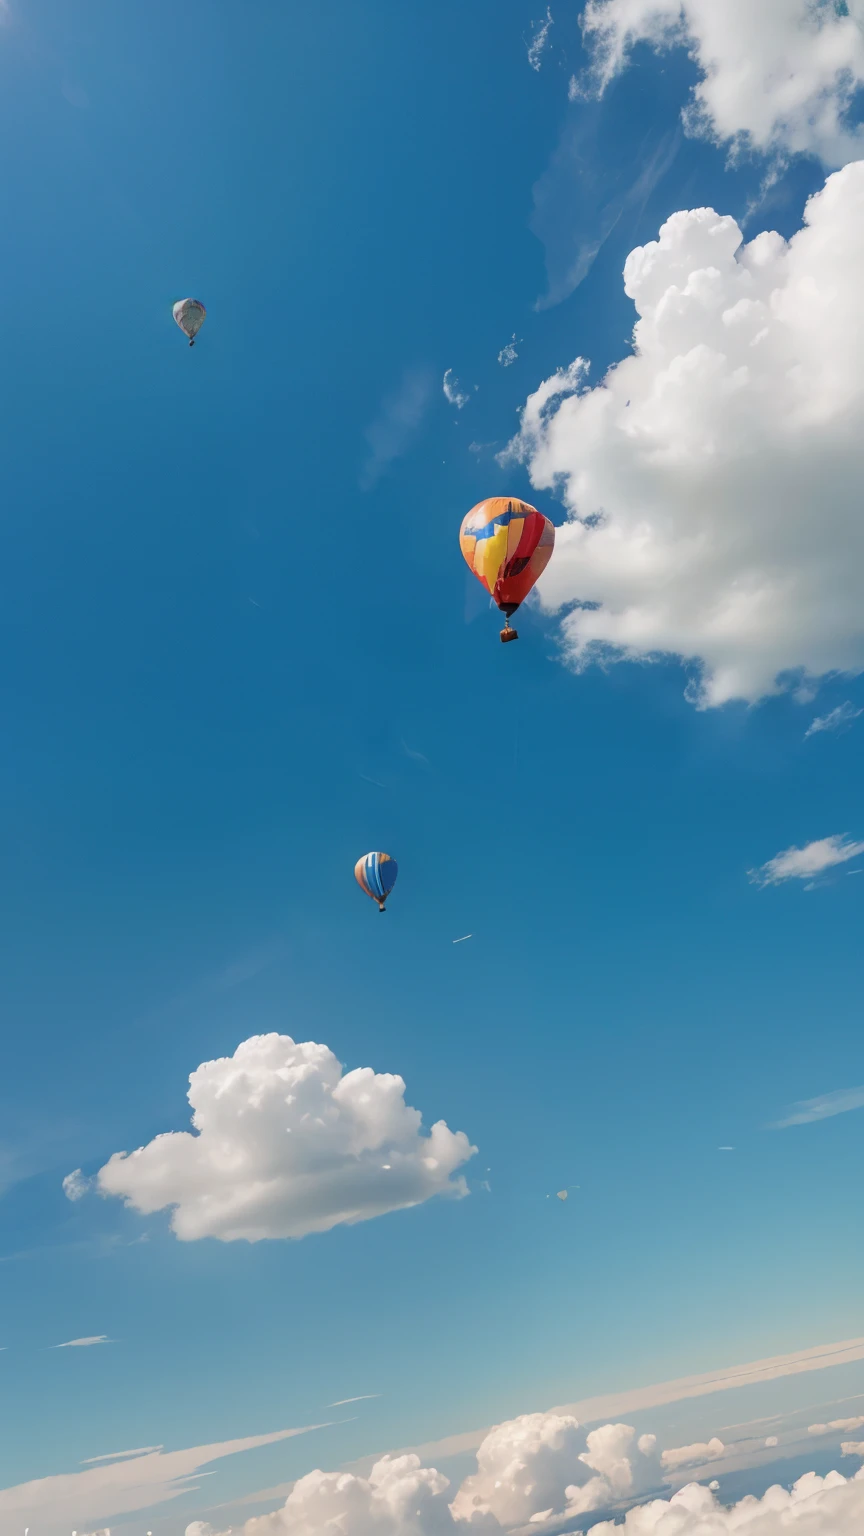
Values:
[(507, 545), (376, 874)]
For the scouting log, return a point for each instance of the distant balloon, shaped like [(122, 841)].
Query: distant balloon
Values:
[(376, 874), (190, 315), (507, 545), (562, 1194)]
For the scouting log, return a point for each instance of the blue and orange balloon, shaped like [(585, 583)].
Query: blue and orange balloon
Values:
[(507, 545), (376, 874)]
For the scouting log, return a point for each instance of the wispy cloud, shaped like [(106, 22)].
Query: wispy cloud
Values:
[(96, 1338), (836, 720), (117, 1487), (804, 863), (416, 757), (364, 1397), (75, 1186), (613, 1405), (537, 45), (806, 1111), (141, 1450), (578, 206), (396, 426), (453, 391), (506, 357)]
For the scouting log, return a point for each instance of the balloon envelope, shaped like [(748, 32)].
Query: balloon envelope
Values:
[(190, 315), (507, 544), (376, 874)]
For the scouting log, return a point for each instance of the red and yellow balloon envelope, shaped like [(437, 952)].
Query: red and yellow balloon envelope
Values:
[(376, 874), (507, 544)]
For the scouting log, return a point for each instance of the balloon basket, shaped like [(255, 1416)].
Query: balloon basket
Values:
[(509, 634)]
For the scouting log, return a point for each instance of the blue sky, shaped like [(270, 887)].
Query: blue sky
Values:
[(241, 648)]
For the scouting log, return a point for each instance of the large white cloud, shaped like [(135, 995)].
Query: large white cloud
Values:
[(776, 75), (814, 1506), (398, 1498), (713, 479), (540, 1464), (531, 1474), (284, 1144)]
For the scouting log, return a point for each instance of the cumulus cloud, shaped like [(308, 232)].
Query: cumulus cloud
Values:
[(692, 1455), (523, 1481), (508, 354), (777, 77), (398, 1498), (533, 1466), (814, 1506), (836, 720), (712, 479), (75, 1186), (452, 391), (804, 863), (284, 1144), (821, 1108), (537, 45)]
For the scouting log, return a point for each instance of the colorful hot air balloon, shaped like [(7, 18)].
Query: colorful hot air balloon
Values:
[(507, 544), (376, 874), (190, 315)]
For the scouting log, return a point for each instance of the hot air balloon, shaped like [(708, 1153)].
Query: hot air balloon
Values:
[(376, 874), (190, 315), (507, 544)]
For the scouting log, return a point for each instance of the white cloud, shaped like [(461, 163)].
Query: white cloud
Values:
[(777, 76), (712, 480), (537, 46), (835, 720), (692, 1455), (96, 1338), (508, 354), (814, 1506), (452, 391), (53, 1505), (533, 1466), (822, 1108), (363, 1398), (852, 1447), (523, 1466), (804, 863), (531, 1474), (835, 1426), (398, 1498), (75, 1186), (284, 1145), (142, 1450)]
